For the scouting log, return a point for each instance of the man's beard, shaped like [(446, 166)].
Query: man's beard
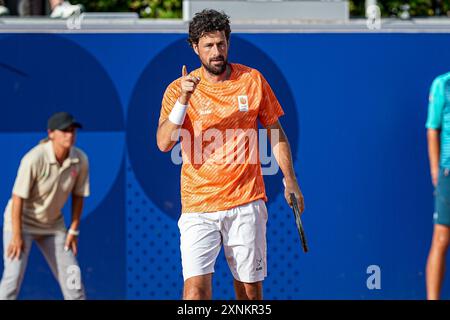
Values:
[(216, 70)]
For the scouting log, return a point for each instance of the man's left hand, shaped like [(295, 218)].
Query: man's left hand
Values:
[(291, 186)]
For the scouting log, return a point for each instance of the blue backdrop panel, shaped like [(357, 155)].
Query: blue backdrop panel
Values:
[(355, 109)]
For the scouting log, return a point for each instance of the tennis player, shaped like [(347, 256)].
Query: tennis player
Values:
[(222, 188), (438, 135)]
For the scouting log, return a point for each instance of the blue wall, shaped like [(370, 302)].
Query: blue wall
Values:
[(355, 113)]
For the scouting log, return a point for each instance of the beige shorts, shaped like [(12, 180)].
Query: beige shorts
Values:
[(241, 230)]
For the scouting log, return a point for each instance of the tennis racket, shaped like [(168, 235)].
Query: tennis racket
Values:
[(298, 221)]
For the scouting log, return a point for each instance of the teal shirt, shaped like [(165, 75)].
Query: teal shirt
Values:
[(439, 114)]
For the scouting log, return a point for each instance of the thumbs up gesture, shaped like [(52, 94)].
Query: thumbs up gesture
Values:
[(188, 85)]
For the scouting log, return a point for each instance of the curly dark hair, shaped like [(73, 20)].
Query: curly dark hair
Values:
[(208, 20)]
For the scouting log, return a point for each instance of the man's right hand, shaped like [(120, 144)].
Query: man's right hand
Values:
[(15, 248), (188, 85)]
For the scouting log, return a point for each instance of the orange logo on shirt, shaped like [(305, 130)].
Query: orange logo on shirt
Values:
[(243, 103)]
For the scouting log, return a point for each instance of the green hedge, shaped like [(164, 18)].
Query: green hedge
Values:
[(169, 9), (172, 8), (391, 8)]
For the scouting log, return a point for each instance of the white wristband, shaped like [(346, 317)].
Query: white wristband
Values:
[(74, 232), (178, 113)]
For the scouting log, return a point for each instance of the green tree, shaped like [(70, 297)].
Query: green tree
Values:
[(173, 8), (391, 8)]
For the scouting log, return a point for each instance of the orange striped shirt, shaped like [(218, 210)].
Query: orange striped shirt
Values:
[(219, 139)]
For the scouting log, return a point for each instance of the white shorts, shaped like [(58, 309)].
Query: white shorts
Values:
[(241, 230)]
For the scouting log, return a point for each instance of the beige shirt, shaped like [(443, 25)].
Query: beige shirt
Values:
[(45, 186)]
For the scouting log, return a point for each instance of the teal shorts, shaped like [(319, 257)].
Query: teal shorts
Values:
[(442, 198)]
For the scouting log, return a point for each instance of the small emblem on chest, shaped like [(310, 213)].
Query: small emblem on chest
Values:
[(243, 103)]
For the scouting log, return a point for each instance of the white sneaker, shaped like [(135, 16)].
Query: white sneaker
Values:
[(65, 10), (4, 11)]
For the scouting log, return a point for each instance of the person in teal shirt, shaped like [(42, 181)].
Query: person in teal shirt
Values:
[(438, 136)]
